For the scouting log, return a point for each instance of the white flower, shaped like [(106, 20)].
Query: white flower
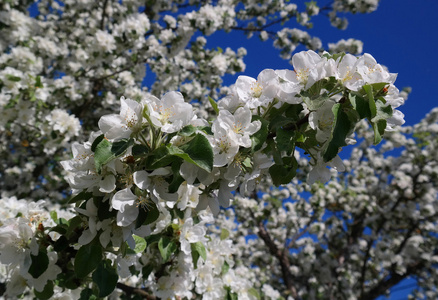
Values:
[(305, 70), (225, 145), (191, 234), (240, 123), (322, 120), (347, 72), (188, 196), (372, 72), (255, 93), (121, 126), (125, 202), (320, 172), (170, 113), (289, 87)]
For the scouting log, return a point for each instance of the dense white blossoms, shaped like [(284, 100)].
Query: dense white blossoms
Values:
[(147, 189)]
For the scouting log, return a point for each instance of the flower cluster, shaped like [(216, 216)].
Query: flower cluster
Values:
[(148, 186), (155, 173)]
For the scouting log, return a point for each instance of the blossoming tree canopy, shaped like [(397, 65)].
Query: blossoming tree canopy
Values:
[(156, 173), (145, 191)]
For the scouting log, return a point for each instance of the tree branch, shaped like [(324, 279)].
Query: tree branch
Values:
[(282, 256), (132, 290)]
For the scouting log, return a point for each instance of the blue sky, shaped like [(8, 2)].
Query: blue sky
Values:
[(400, 34)]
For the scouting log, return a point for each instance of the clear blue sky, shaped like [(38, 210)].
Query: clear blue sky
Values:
[(400, 34)]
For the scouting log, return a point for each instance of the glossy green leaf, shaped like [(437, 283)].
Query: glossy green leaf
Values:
[(224, 234), (198, 151), (47, 292), (119, 147), (361, 106), (87, 259), (200, 248), (283, 174), (96, 142), (103, 154), (87, 294), (214, 105), (39, 264), (84, 195), (187, 130), (342, 127), (259, 138), (285, 140), (167, 247), (105, 277), (140, 244)]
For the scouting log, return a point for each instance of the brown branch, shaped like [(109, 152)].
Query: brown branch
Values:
[(282, 256), (300, 234), (102, 20), (262, 28), (132, 290)]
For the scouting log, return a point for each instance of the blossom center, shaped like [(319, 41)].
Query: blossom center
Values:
[(256, 90)]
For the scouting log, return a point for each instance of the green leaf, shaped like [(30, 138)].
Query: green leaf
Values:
[(147, 270), (153, 239), (225, 268), (315, 103), (138, 149), (105, 277), (159, 158), (379, 129), (372, 104), (47, 292), (54, 216), (38, 83), (39, 264), (147, 215), (199, 152), (61, 244), (285, 140), (259, 138), (12, 78), (360, 105), (140, 244), (104, 210), (84, 195), (253, 291), (74, 223), (383, 111), (342, 127), (293, 112), (166, 247), (214, 105), (96, 142), (283, 174), (224, 234), (103, 154), (187, 130), (87, 258), (177, 179), (87, 294), (119, 147), (279, 122), (200, 248)]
